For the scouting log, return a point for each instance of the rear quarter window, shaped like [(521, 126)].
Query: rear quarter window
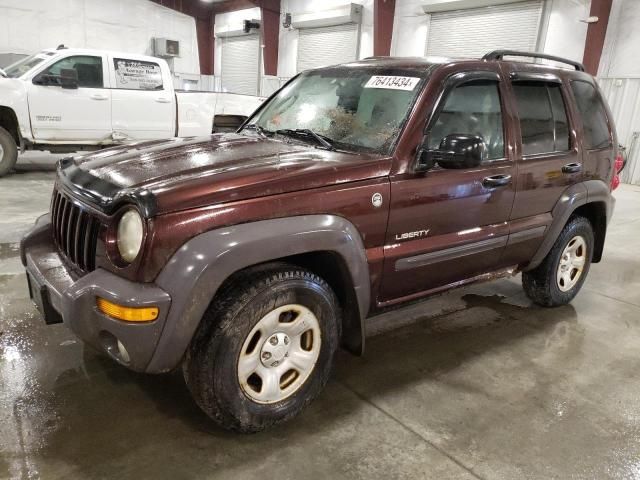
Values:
[(592, 111)]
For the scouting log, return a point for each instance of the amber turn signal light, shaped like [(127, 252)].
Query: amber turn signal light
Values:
[(127, 314)]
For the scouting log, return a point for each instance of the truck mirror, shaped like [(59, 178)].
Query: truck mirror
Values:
[(44, 79), (425, 160), (69, 78)]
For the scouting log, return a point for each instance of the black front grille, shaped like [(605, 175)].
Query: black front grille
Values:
[(75, 231)]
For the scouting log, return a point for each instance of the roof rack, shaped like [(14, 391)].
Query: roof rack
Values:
[(500, 54)]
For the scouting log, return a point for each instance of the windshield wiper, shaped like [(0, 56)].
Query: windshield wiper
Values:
[(322, 140), (2, 74)]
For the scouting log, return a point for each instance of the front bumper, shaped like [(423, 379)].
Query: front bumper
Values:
[(59, 293)]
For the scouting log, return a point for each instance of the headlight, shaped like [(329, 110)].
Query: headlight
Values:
[(130, 233)]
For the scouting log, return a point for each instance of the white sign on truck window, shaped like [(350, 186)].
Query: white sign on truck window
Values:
[(392, 82), (137, 74)]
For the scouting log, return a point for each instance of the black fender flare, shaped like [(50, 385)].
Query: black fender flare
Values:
[(195, 272), (575, 196)]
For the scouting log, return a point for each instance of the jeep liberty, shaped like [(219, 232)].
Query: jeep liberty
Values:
[(248, 258)]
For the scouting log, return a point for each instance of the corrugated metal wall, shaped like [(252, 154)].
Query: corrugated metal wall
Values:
[(240, 64), (623, 96), (322, 46), (472, 32)]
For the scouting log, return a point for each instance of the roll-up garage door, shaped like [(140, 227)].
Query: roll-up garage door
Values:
[(322, 46), (240, 64), (476, 31)]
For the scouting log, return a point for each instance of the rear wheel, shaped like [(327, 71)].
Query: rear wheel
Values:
[(8, 152), (559, 278), (265, 348)]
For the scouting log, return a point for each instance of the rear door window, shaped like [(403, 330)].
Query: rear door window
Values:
[(137, 74), (543, 117), (594, 118)]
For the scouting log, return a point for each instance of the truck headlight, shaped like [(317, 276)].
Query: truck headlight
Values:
[(130, 233)]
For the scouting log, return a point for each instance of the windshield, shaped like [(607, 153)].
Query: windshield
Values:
[(354, 109), (21, 67)]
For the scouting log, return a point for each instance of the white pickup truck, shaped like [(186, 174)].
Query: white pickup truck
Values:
[(65, 100)]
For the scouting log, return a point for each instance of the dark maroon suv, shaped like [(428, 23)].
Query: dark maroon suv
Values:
[(248, 258)]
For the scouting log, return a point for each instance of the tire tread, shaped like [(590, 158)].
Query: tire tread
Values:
[(219, 322), (540, 283)]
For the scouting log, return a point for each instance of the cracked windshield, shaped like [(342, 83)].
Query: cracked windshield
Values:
[(341, 108)]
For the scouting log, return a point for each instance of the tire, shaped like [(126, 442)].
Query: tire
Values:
[(558, 279), (8, 152), (233, 333)]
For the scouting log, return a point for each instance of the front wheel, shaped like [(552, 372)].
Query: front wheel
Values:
[(8, 152), (265, 348), (559, 278)]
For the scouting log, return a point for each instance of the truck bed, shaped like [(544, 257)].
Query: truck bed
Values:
[(197, 110)]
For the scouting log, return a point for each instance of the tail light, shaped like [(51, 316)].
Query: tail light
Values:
[(617, 165)]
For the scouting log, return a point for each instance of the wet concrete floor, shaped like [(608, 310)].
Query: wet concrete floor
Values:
[(478, 383)]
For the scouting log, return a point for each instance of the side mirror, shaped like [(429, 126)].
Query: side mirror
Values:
[(69, 78), (45, 80), (460, 150)]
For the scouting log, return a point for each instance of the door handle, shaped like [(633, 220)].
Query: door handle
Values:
[(163, 100), (496, 181), (572, 168), (97, 96)]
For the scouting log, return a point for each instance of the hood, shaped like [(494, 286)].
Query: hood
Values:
[(181, 173), (10, 86)]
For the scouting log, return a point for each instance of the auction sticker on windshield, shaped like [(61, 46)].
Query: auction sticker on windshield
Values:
[(392, 82)]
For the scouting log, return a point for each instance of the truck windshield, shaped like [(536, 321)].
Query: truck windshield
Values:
[(353, 109), (21, 67)]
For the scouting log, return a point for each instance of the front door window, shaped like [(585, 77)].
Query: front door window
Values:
[(472, 108)]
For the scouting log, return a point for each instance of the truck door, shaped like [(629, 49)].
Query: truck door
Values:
[(80, 114), (447, 225), (548, 158), (143, 103)]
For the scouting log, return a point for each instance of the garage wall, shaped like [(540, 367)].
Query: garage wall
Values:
[(475, 31), (27, 26), (620, 52), (288, 53), (240, 63), (561, 31), (619, 76), (232, 21), (565, 35)]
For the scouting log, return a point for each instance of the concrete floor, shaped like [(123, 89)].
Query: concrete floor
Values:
[(478, 383)]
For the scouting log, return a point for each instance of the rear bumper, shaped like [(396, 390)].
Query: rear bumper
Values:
[(60, 293)]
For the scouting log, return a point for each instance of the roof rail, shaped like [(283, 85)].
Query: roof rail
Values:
[(500, 54)]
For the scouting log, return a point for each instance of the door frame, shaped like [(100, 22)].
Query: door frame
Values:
[(62, 137), (432, 103)]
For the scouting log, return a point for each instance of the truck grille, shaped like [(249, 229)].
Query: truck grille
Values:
[(75, 232)]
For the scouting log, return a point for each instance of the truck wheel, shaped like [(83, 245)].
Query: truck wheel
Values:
[(8, 152), (563, 271), (265, 347)]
